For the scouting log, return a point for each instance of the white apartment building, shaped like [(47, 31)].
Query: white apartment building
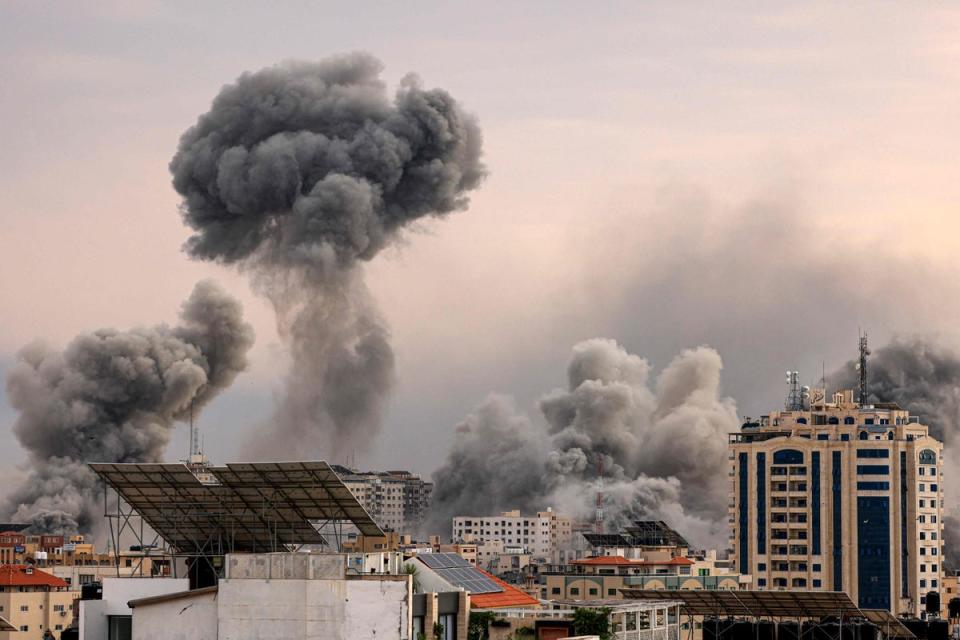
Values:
[(396, 500), (543, 535)]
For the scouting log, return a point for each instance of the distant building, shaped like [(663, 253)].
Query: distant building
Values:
[(839, 496), (34, 601), (543, 535), (77, 561), (602, 577), (644, 539), (396, 500)]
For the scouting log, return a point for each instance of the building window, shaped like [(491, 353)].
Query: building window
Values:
[(574, 591), (816, 567), (761, 582), (823, 436), (24, 608), (593, 591), (555, 591), (849, 420), (761, 566), (873, 469), (933, 487), (611, 592), (817, 584), (762, 502), (788, 456), (873, 453), (873, 486), (845, 437), (24, 627)]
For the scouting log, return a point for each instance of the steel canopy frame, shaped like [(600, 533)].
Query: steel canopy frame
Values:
[(255, 508), (798, 605)]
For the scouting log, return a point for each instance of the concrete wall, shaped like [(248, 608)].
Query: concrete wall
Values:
[(117, 592), (315, 609), (192, 618)]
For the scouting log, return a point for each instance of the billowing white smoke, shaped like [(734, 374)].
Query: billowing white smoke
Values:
[(662, 443), (113, 396)]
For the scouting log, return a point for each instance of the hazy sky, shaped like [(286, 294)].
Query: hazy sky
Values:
[(761, 179)]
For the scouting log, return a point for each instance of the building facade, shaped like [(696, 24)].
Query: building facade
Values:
[(839, 496), (34, 601), (396, 500), (543, 535), (602, 577)]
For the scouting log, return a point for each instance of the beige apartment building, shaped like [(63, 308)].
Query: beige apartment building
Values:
[(838, 496), (34, 601)]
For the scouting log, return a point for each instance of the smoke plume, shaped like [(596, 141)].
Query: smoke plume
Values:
[(924, 378), (662, 444), (113, 396), (298, 173)]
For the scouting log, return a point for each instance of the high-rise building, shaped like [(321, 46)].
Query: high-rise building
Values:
[(839, 496), (396, 500)]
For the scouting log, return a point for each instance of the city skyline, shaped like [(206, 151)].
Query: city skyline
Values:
[(760, 180)]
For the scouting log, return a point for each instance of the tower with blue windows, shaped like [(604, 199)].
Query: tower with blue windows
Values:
[(837, 495)]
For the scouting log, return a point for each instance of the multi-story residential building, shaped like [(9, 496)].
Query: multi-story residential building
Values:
[(396, 500), (602, 577), (543, 535), (842, 496), (34, 601)]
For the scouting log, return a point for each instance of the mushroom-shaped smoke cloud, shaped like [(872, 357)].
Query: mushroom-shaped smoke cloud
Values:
[(297, 173)]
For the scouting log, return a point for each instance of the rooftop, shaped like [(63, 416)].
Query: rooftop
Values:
[(620, 561), (509, 597), (21, 575)]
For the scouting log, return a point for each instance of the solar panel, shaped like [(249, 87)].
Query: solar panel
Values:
[(806, 604), (254, 507), (443, 560)]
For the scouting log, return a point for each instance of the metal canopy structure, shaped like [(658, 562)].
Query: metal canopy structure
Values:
[(261, 507), (754, 604), (6, 626), (888, 623)]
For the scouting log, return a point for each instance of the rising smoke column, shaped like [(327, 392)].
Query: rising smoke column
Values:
[(663, 444), (924, 378), (113, 396), (297, 174)]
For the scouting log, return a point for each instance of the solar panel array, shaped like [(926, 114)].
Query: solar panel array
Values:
[(254, 507), (460, 573), (769, 604)]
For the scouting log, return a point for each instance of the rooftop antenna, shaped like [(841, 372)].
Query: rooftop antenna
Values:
[(862, 368), (794, 400), (194, 437), (598, 519)]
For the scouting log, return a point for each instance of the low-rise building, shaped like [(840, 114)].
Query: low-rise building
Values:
[(602, 577), (33, 601), (282, 595)]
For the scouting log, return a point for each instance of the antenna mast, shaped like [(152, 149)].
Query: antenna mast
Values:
[(862, 368), (794, 393)]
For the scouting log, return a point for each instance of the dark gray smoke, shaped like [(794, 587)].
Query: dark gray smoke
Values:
[(924, 378), (662, 444), (113, 396), (299, 172)]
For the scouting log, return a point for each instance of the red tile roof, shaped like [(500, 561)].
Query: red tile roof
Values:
[(509, 597), (621, 561), (15, 575)]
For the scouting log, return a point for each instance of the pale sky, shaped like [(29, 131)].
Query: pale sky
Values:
[(763, 179)]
